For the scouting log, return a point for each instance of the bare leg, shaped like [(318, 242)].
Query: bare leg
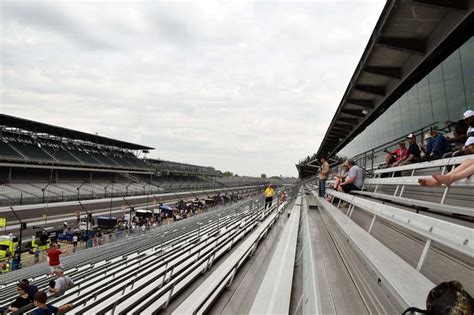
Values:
[(464, 170), (429, 182), (336, 184)]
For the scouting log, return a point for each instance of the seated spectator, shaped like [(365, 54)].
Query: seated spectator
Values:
[(353, 180), (341, 178), (464, 170), (459, 134), (47, 309), (436, 146), (31, 289), (394, 157), (469, 144), (61, 283), (22, 299), (414, 152)]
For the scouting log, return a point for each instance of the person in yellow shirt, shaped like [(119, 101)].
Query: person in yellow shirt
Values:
[(268, 193)]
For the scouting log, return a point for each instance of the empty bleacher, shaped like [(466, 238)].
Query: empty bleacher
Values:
[(144, 273)]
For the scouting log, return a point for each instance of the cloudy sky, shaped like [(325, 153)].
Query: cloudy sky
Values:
[(243, 86)]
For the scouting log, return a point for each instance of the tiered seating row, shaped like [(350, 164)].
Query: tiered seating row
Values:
[(164, 270), (203, 297), (160, 242), (406, 284)]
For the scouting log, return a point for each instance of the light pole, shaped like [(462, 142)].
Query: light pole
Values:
[(43, 189), (78, 191), (88, 216), (22, 226)]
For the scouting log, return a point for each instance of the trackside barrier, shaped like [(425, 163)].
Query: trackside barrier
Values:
[(202, 297), (274, 293), (184, 194), (407, 285), (453, 236)]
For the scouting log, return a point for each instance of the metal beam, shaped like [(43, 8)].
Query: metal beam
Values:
[(343, 127), (371, 89), (353, 112), (408, 45), (391, 72), (447, 4), (349, 120), (361, 102), (338, 132)]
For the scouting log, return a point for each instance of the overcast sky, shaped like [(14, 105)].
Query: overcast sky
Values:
[(249, 87)]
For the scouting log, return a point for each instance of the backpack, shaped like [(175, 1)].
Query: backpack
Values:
[(447, 298)]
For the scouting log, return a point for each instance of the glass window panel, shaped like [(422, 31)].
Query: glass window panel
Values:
[(467, 62), (454, 86), (424, 99), (404, 113), (413, 108), (438, 95)]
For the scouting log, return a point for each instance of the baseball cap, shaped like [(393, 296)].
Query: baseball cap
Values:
[(428, 135), (411, 136), (468, 113)]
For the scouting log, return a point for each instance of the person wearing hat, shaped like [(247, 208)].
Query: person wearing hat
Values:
[(414, 151), (469, 144), (437, 146)]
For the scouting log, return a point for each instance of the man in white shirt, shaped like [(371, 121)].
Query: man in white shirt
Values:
[(353, 179)]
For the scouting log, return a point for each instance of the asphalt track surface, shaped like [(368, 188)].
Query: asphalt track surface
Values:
[(55, 214)]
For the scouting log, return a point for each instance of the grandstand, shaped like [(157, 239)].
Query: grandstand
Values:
[(41, 163), (379, 250)]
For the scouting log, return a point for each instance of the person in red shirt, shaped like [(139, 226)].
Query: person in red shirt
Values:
[(53, 257), (393, 158)]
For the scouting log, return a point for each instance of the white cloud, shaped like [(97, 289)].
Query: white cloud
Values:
[(243, 86)]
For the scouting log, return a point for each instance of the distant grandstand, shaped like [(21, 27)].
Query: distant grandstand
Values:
[(41, 163)]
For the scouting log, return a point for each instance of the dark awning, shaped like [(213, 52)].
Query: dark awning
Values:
[(38, 127), (410, 39)]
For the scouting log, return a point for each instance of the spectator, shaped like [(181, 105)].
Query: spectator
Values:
[(53, 257), (268, 193), (31, 289), (323, 176), (468, 145), (353, 180), (22, 299), (61, 283), (340, 178), (47, 309), (464, 170), (436, 146), (74, 242), (399, 154), (414, 152), (459, 133)]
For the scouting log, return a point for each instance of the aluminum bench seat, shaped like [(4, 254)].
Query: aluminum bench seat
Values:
[(469, 211), (408, 286), (454, 236), (203, 296)]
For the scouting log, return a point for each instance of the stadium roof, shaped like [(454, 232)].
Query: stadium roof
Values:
[(38, 127), (410, 39)]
